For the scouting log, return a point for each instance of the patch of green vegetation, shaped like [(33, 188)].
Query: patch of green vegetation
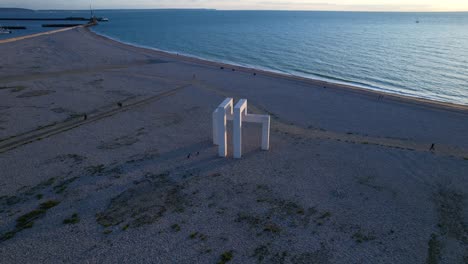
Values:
[(450, 205), (107, 231), (75, 115), (325, 215), (39, 196), (359, 237), (48, 182), (125, 227), (271, 227), (199, 235), (12, 200), (104, 221), (96, 169), (252, 220), (434, 247), (14, 89), (75, 158), (27, 220), (226, 257), (115, 172), (365, 143), (49, 204), (7, 235), (144, 204), (261, 253), (175, 227), (35, 93), (17, 89), (193, 235), (61, 187), (284, 212), (74, 219)]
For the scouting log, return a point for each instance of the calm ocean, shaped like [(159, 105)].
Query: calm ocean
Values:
[(381, 51)]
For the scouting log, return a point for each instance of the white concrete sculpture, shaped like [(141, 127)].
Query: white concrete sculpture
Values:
[(223, 113)]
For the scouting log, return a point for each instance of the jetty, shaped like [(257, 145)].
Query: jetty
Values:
[(100, 19), (62, 25), (13, 27)]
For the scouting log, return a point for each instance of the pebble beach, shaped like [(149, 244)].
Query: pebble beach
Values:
[(106, 156)]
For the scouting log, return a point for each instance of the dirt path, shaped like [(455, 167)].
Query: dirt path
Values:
[(45, 75), (283, 127), (57, 128), (39, 34)]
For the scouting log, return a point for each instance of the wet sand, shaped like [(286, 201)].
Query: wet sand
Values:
[(120, 138)]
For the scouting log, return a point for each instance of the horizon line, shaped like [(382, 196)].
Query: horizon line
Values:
[(278, 10)]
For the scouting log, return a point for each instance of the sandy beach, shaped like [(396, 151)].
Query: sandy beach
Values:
[(106, 157)]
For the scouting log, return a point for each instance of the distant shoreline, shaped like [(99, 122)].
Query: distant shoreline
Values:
[(13, 9), (247, 10)]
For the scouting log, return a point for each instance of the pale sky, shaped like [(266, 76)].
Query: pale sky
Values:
[(341, 5)]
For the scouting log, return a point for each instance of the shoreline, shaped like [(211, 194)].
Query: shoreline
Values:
[(311, 76), (401, 98), (425, 102)]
